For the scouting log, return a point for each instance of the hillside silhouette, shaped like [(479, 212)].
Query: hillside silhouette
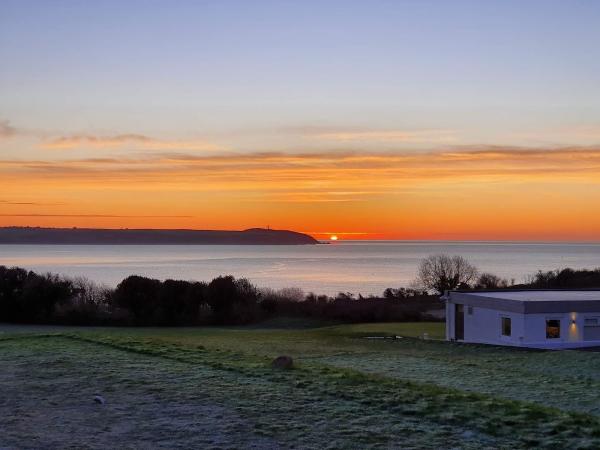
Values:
[(252, 236)]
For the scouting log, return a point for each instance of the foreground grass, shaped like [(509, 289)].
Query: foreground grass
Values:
[(198, 386), (568, 380)]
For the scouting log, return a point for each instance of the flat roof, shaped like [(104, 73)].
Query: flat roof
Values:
[(542, 295), (531, 301)]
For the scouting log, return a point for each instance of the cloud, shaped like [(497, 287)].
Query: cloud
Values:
[(488, 159), (363, 134), (337, 233), (29, 203), (349, 134), (328, 176), (388, 136), (94, 215), (13, 203), (136, 141), (6, 130), (581, 134)]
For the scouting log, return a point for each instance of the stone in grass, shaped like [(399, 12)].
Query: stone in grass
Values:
[(283, 362), (99, 399)]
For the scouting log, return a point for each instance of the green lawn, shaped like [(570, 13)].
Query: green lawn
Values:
[(214, 388)]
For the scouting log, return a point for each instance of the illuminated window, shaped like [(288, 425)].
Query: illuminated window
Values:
[(506, 326), (552, 328)]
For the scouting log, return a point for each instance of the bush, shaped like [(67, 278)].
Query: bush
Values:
[(402, 293), (138, 295), (89, 304), (231, 300), (491, 281), (29, 297)]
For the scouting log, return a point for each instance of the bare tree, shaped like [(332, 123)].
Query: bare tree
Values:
[(444, 272)]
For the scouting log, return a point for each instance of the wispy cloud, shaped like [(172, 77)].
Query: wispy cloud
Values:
[(17, 203), (95, 216), (374, 135), (337, 233), (311, 177), (387, 136), (6, 129), (580, 134), (136, 141)]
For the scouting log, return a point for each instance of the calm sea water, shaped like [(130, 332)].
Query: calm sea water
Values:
[(365, 267)]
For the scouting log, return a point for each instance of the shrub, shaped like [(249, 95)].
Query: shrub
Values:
[(29, 297)]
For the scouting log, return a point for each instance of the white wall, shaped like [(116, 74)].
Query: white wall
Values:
[(570, 333), (485, 326), (449, 321)]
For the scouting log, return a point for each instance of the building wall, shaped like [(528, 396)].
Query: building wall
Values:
[(484, 326), (571, 329), (449, 321)]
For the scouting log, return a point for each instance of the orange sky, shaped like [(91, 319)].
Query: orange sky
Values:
[(457, 193)]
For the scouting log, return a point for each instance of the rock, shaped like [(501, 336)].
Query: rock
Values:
[(283, 362), (99, 399), (467, 434)]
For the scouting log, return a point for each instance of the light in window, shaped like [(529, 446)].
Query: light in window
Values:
[(552, 328)]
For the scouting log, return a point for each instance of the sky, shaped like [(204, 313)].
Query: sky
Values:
[(467, 120)]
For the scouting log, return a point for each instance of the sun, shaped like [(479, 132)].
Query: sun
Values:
[(333, 238)]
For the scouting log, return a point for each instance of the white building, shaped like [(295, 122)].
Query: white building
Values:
[(551, 319)]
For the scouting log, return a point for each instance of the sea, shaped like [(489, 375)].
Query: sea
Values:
[(365, 267)]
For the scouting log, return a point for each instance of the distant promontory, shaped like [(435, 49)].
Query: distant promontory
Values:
[(70, 236)]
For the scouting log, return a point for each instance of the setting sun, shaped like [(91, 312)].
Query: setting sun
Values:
[(333, 238)]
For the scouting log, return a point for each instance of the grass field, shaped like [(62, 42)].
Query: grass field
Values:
[(214, 388)]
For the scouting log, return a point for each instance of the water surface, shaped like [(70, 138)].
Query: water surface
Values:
[(367, 267)]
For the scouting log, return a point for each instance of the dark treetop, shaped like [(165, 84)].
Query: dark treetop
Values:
[(253, 236)]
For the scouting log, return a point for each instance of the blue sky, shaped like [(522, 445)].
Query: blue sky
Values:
[(253, 73)]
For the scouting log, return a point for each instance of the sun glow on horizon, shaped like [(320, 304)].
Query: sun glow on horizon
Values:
[(333, 238)]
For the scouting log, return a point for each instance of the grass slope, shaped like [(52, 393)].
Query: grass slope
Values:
[(214, 388)]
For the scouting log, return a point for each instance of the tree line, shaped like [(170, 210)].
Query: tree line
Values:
[(439, 273), (29, 297)]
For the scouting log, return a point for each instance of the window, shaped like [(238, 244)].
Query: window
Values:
[(470, 310), (552, 328), (506, 326), (591, 329)]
